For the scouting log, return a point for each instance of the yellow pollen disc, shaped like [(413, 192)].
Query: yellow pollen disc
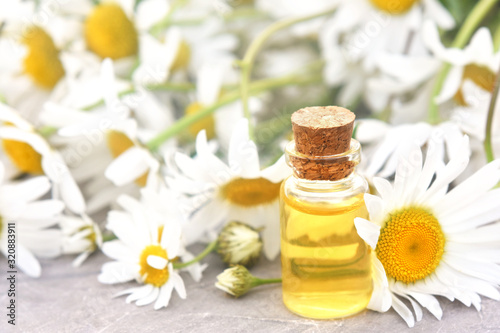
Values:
[(394, 7), (482, 76), (207, 123), (156, 277), (182, 57), (118, 143), (410, 245), (109, 32), (251, 192), (42, 62), (23, 156)]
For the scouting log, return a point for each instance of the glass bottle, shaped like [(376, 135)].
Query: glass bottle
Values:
[(326, 266)]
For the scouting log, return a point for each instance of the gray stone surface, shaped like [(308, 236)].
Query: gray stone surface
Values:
[(67, 299)]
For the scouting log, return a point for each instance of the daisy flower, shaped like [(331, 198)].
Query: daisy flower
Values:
[(81, 236), (149, 243), (31, 53), (113, 134), (30, 153), (22, 208), (238, 191), (430, 241), (362, 32)]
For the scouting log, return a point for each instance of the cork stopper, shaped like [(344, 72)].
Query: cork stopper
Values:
[(320, 133)]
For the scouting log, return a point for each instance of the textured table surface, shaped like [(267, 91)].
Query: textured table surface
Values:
[(67, 299)]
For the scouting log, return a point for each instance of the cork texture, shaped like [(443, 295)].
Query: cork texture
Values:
[(322, 131)]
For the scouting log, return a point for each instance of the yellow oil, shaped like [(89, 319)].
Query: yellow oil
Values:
[(326, 266)]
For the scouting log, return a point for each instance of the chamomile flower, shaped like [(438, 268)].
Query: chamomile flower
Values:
[(430, 241), (239, 190), (149, 243), (29, 152), (362, 32), (81, 236), (113, 135), (32, 219), (31, 53)]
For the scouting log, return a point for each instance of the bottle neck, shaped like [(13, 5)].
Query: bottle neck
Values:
[(347, 183), (335, 169)]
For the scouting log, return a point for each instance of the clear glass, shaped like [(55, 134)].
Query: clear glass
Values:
[(326, 266)]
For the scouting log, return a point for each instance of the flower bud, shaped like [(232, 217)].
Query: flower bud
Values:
[(239, 244), (236, 281)]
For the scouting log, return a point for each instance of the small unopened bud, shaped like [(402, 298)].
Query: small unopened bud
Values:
[(239, 244), (236, 281)]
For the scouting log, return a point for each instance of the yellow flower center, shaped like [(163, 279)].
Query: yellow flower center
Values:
[(42, 62), (394, 7), (410, 245), (482, 76), (24, 157), (251, 192), (109, 32), (118, 143), (182, 57), (151, 275), (206, 123)]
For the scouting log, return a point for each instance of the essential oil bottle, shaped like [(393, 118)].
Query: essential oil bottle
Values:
[(326, 266)]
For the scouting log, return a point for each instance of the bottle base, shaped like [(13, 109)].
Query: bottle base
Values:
[(323, 308)]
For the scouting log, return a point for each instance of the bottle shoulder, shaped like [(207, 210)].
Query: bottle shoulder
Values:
[(324, 198)]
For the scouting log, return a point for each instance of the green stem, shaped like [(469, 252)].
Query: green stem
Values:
[(210, 247), (108, 237), (248, 60), (488, 138), (255, 88), (496, 39), (258, 282), (480, 10)]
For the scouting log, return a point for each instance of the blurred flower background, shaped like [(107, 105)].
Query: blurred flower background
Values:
[(144, 126)]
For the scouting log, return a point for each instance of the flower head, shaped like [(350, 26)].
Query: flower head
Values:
[(149, 243), (431, 241), (238, 191), (236, 281), (239, 244)]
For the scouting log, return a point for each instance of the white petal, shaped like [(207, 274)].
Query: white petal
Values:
[(117, 272), (368, 231), (243, 157), (127, 167), (403, 311), (178, 284), (149, 298), (138, 293), (277, 172), (375, 206), (438, 13), (157, 262), (164, 296), (28, 263)]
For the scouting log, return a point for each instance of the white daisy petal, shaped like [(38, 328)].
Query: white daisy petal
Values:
[(368, 231), (139, 293), (164, 296), (28, 263), (127, 167), (178, 284), (403, 311), (157, 262), (149, 298)]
